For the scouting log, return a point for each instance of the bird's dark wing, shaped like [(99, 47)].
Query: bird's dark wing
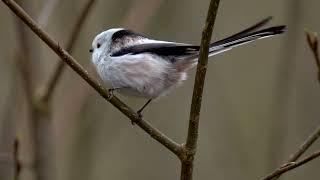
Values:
[(162, 49)]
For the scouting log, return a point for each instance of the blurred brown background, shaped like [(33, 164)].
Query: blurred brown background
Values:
[(260, 100)]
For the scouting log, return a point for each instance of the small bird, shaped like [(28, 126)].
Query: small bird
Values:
[(134, 64)]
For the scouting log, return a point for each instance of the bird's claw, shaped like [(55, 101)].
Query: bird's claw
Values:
[(140, 116), (110, 93)]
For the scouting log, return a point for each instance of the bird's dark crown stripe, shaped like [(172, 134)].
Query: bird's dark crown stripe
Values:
[(125, 33)]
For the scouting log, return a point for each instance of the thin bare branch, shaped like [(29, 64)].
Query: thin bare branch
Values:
[(305, 145), (49, 88), (313, 42), (292, 165), (303, 148), (191, 144), (67, 58)]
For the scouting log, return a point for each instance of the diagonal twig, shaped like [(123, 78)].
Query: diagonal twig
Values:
[(67, 58), (305, 145), (191, 144), (49, 88), (302, 149), (291, 166)]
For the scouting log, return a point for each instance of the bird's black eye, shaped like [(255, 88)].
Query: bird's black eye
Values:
[(98, 45)]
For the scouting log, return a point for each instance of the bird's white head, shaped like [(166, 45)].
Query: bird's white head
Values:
[(101, 44)]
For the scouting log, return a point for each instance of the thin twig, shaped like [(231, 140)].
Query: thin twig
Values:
[(191, 144), (289, 166), (67, 58), (49, 88), (305, 145), (302, 149), (313, 44)]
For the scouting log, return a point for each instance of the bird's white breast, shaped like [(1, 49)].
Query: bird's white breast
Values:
[(143, 74)]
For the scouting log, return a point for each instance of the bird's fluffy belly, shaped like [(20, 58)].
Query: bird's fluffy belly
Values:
[(140, 75)]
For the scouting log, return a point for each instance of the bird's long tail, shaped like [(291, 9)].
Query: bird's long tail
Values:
[(246, 36)]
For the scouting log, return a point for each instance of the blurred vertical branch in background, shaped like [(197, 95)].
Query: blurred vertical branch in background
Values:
[(138, 15), (16, 160), (190, 147), (313, 42), (40, 125), (26, 63), (283, 88), (46, 11), (8, 133), (49, 88)]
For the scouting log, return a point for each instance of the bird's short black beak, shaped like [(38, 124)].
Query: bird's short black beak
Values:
[(91, 50)]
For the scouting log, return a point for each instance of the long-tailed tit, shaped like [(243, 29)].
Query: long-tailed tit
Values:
[(137, 65)]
